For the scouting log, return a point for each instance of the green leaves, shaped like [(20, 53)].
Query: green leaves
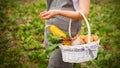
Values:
[(54, 39)]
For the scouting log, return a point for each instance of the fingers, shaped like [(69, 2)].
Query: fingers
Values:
[(44, 15), (47, 14), (41, 14)]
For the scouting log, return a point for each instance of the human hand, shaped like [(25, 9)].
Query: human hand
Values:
[(48, 14)]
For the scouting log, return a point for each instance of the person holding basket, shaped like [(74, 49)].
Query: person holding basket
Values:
[(59, 13)]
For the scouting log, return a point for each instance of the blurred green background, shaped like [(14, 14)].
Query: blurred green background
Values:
[(21, 34)]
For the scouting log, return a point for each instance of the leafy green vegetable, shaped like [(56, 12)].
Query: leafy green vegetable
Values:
[(54, 39)]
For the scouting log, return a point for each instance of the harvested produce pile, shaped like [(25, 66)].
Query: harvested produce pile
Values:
[(76, 40), (79, 39)]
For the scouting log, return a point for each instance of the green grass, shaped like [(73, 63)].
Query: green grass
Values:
[(21, 34)]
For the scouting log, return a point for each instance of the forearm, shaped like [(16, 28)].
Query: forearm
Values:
[(70, 14)]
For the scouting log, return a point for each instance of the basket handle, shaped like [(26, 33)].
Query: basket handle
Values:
[(87, 23)]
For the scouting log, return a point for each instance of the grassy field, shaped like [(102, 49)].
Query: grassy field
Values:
[(21, 34)]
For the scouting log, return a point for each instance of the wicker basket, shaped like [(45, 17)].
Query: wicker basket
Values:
[(80, 53)]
